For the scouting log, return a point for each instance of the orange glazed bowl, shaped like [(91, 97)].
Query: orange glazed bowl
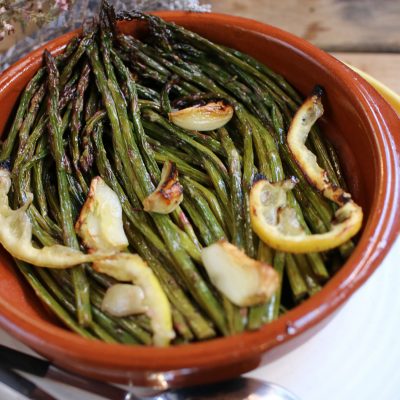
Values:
[(366, 133)]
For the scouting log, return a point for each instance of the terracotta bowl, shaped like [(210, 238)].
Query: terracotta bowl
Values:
[(365, 131)]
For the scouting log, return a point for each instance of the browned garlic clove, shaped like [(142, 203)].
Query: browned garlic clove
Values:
[(168, 194), (208, 117), (243, 280)]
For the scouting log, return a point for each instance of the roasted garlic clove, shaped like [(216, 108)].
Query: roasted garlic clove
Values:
[(125, 267), (168, 194), (208, 117), (123, 299), (243, 280)]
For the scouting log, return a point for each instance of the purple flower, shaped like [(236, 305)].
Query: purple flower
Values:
[(62, 4), (8, 27)]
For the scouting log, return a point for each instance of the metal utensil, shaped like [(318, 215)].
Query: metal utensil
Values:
[(23, 385), (12, 359), (236, 389)]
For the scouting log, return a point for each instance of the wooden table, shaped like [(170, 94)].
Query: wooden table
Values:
[(364, 33)]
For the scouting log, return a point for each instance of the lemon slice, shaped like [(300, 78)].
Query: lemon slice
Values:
[(100, 225), (126, 267), (16, 235), (276, 223)]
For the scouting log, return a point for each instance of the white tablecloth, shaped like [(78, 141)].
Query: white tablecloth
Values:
[(356, 356)]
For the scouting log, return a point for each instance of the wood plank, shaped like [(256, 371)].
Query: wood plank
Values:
[(20, 32), (384, 67), (329, 24), (335, 25)]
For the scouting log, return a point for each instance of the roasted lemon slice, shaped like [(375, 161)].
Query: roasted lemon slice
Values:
[(125, 267), (100, 226), (276, 223), (16, 235)]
